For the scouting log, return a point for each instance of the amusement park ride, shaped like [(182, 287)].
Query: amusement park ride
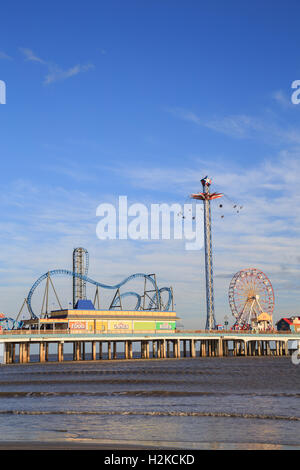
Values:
[(152, 298), (206, 197), (251, 299), (251, 296), (80, 266)]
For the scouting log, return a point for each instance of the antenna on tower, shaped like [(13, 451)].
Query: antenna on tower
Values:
[(206, 196)]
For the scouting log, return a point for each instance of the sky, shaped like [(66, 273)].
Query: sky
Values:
[(143, 99)]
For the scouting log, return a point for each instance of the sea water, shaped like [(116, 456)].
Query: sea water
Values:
[(188, 403)]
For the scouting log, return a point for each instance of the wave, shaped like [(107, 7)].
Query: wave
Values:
[(99, 381), (142, 393), (127, 371), (199, 414)]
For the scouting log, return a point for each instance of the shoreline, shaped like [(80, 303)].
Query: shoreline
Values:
[(124, 446)]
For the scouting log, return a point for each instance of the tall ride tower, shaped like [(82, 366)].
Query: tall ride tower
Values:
[(80, 266), (206, 197)]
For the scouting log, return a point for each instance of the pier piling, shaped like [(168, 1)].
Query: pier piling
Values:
[(195, 346)]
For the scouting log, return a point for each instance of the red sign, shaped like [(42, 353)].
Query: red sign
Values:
[(77, 325)]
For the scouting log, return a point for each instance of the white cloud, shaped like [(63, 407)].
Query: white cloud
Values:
[(55, 73), (71, 170), (267, 127), (4, 56), (281, 98), (29, 55), (239, 126)]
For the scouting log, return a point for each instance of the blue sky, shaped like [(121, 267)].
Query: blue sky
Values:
[(109, 98)]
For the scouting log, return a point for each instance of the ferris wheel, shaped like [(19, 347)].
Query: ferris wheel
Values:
[(251, 298)]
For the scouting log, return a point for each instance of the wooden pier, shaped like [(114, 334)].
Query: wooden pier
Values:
[(16, 346)]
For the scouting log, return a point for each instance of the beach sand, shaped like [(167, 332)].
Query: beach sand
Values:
[(66, 445)]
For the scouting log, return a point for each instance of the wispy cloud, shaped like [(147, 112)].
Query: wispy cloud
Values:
[(185, 115), (71, 170), (281, 98), (267, 127), (29, 55), (4, 56), (239, 126), (55, 73)]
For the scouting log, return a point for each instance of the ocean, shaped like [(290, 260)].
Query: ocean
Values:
[(188, 403)]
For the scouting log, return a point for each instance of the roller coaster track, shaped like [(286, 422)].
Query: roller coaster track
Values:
[(10, 323), (65, 272), (128, 294)]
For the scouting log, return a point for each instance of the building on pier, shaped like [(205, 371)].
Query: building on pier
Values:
[(85, 319), (289, 324)]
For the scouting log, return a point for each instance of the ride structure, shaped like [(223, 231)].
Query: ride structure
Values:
[(153, 298), (206, 196), (251, 299), (81, 267), (7, 323)]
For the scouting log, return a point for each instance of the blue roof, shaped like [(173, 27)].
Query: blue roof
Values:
[(84, 305)]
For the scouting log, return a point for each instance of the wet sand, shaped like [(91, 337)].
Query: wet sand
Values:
[(32, 445), (115, 447)]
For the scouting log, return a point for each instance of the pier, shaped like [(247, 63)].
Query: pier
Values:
[(16, 346)]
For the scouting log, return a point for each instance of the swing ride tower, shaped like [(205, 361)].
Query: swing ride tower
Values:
[(206, 196)]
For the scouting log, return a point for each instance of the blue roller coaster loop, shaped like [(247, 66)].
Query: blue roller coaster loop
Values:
[(127, 294), (152, 301), (65, 272), (170, 298)]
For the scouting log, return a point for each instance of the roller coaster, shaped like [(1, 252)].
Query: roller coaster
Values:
[(8, 323), (153, 297), (155, 300)]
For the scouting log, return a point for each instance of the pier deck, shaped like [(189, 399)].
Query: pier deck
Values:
[(15, 345)]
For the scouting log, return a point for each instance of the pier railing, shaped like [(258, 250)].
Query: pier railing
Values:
[(71, 331), (241, 332)]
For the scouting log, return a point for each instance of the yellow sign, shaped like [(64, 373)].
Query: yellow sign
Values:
[(117, 325)]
